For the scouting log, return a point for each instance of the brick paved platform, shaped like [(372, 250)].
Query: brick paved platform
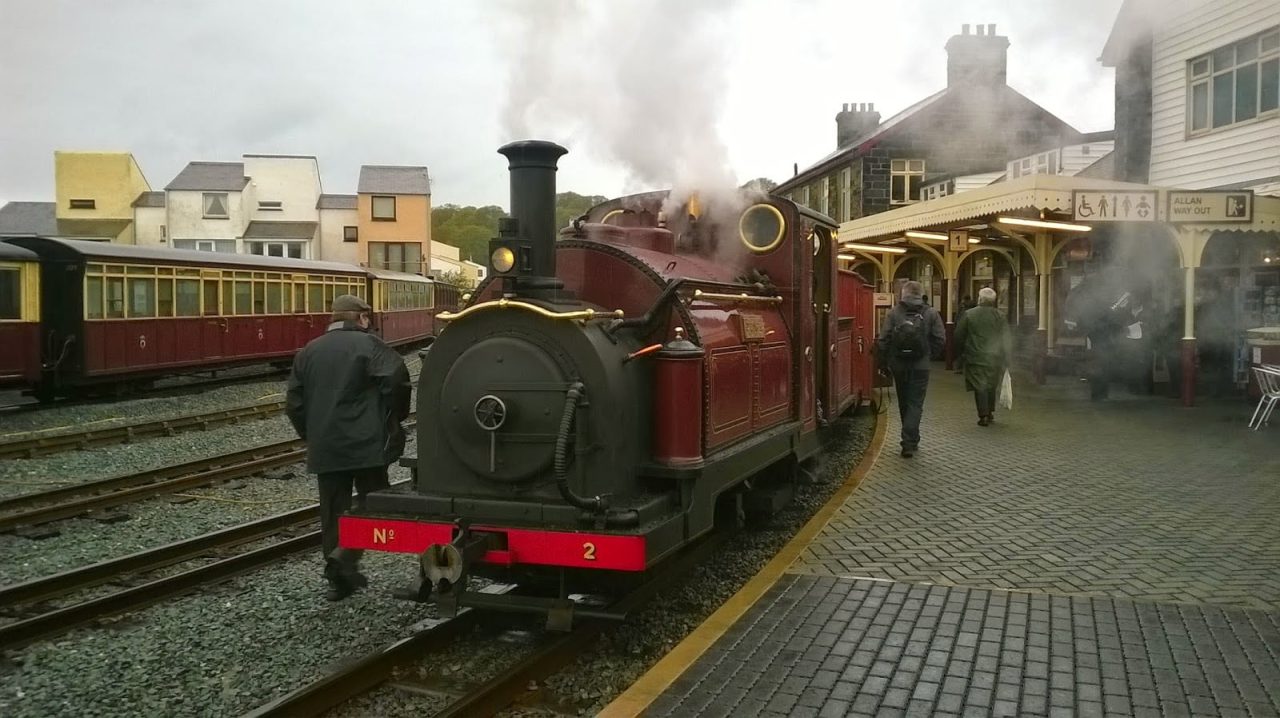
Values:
[(1120, 558)]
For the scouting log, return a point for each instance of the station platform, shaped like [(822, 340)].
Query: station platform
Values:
[(1075, 559)]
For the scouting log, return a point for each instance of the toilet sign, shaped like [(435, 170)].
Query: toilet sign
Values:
[(1210, 206), (1113, 206)]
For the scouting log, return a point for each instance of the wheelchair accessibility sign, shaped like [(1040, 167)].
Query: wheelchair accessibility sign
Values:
[(1113, 206)]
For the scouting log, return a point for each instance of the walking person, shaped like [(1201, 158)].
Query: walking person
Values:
[(348, 393), (911, 336), (985, 345)]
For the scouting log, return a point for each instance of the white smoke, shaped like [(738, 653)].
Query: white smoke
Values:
[(639, 84)]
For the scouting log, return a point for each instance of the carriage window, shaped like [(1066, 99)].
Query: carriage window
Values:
[(93, 297), (189, 297), (274, 301), (244, 298), (315, 298), (115, 297), (10, 293), (300, 298), (259, 298), (142, 297), (328, 297), (164, 302), (211, 297)]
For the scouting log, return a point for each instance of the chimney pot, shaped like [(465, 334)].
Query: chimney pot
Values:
[(846, 107), (862, 107), (964, 29), (981, 30), (871, 107), (991, 29)]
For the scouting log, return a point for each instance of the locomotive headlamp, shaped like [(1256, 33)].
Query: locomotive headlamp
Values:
[(502, 259)]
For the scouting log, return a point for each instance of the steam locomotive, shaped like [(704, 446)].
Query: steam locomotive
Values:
[(614, 387)]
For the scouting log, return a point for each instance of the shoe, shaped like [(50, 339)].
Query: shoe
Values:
[(982, 421), (991, 419), (343, 585), (907, 453)]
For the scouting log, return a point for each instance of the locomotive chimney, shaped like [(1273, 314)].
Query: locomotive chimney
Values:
[(533, 204)]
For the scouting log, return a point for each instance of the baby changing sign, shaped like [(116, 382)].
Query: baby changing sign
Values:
[(1210, 206)]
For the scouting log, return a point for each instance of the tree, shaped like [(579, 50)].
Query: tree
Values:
[(458, 279), (470, 228), (760, 184)]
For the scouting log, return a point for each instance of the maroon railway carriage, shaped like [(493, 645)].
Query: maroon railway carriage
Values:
[(602, 395), (19, 316), (119, 314)]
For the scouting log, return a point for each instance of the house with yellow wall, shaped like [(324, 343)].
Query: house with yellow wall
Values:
[(94, 199), (393, 205)]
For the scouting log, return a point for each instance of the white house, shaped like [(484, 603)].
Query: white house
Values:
[(204, 206), (1198, 93), (280, 203), (339, 228)]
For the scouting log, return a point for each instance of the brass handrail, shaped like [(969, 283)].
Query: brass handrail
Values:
[(582, 315), (744, 297)]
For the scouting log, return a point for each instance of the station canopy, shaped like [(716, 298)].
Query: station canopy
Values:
[(1042, 197)]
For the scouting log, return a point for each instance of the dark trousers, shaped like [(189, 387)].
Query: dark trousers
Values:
[(335, 500), (985, 399), (911, 385)]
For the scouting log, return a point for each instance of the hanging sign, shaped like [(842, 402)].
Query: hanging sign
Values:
[(958, 240), (1113, 206), (1210, 206)]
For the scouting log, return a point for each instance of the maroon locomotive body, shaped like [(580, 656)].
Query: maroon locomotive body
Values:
[(613, 386)]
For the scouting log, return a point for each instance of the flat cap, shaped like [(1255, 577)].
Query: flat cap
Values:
[(350, 303)]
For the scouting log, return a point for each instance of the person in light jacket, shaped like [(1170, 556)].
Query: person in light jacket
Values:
[(985, 346), (347, 394)]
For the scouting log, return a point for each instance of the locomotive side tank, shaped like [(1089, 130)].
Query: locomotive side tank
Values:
[(611, 385)]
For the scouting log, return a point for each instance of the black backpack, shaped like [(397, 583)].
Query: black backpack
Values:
[(907, 341)]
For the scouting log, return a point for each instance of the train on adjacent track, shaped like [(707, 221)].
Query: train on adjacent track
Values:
[(81, 317), (615, 388)]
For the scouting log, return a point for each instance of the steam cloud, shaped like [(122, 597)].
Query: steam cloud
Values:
[(639, 83)]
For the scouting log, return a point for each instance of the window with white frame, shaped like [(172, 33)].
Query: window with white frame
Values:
[(277, 249), (206, 246), (215, 205), (1234, 83), (905, 179)]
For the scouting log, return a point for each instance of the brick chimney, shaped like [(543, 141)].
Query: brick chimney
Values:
[(980, 59), (854, 121)]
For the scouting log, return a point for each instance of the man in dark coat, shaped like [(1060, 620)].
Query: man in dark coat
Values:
[(347, 395), (912, 335), (985, 346)]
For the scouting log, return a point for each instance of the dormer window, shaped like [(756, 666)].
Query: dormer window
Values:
[(215, 205), (83, 204), (270, 206)]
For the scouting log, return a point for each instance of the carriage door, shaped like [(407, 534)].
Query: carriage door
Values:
[(825, 317), (213, 325)]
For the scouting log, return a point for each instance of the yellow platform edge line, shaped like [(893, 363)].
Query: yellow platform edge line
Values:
[(657, 679)]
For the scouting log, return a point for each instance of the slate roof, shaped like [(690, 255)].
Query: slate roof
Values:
[(280, 230), (149, 199), (336, 201), (387, 179), (210, 176), (28, 218)]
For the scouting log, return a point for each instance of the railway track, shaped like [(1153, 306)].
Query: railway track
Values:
[(38, 443), (68, 501), (556, 651), (78, 499), (27, 600)]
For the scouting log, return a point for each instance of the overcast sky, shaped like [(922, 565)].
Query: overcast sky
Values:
[(443, 84)]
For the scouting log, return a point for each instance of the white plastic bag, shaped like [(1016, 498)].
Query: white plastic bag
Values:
[(1006, 391)]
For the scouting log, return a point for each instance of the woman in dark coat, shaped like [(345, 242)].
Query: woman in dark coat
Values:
[(983, 338)]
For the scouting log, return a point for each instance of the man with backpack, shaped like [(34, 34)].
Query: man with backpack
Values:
[(911, 336)]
